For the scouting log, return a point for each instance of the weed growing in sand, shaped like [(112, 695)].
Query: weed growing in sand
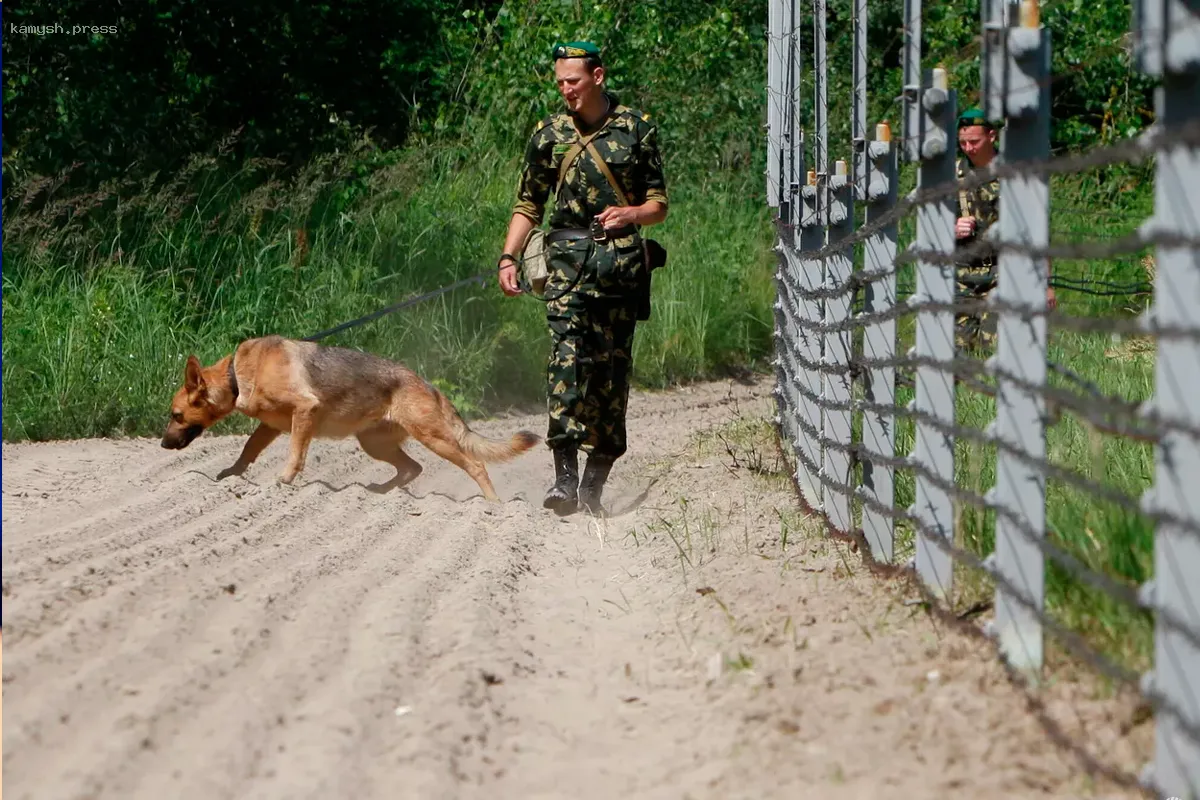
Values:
[(740, 663), (694, 535)]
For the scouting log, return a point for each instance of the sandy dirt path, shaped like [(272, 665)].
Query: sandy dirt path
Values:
[(170, 636)]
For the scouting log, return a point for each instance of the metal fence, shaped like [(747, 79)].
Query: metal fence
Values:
[(842, 363)]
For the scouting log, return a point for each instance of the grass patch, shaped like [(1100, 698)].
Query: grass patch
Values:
[(101, 317)]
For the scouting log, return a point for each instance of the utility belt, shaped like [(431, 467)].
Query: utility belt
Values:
[(596, 233)]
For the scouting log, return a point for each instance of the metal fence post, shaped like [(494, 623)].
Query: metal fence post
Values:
[(912, 78), (879, 342), (774, 101), (811, 278), (1167, 46), (784, 404), (838, 267), (818, 178), (820, 92), (858, 109), (788, 110), (931, 114), (796, 103), (804, 385), (1016, 71)]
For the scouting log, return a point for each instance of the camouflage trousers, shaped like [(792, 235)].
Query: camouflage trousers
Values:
[(591, 353), (975, 331)]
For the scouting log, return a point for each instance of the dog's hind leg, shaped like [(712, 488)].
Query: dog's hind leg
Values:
[(259, 440), (384, 444), (444, 445)]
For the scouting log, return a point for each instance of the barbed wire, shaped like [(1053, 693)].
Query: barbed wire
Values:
[(1070, 639), (1062, 557), (1155, 138), (1050, 470), (1105, 413)]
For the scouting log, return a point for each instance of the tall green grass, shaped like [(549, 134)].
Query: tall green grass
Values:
[(99, 319)]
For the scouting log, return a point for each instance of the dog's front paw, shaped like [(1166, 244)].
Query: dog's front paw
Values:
[(287, 476)]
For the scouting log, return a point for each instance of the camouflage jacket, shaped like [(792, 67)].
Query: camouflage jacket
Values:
[(629, 145), (982, 203)]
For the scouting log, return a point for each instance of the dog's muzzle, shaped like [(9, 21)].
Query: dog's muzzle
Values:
[(183, 438)]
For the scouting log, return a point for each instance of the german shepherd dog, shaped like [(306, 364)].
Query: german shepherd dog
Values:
[(312, 391)]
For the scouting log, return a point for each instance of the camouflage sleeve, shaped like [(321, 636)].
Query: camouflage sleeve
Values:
[(650, 166), (537, 176)]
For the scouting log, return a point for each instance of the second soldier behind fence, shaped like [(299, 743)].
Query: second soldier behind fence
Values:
[(598, 283), (978, 211)]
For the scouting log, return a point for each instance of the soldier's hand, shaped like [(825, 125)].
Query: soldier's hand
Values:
[(964, 227), (616, 217), (508, 279), (1051, 299)]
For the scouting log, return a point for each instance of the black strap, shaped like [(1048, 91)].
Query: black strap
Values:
[(559, 234)]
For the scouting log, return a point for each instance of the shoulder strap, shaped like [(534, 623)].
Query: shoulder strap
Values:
[(577, 148), (569, 157)]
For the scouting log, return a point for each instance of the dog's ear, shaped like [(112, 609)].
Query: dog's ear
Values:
[(193, 378)]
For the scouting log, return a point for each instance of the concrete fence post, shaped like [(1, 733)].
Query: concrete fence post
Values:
[(930, 127), (1167, 46), (1015, 73), (838, 267), (879, 342)]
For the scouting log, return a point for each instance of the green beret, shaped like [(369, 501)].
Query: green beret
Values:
[(972, 117), (576, 50)]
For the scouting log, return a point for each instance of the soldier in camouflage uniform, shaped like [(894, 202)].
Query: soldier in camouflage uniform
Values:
[(598, 283), (978, 210)]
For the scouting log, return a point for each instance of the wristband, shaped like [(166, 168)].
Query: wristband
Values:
[(508, 256)]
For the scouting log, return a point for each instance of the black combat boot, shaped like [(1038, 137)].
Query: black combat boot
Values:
[(563, 496), (595, 474)]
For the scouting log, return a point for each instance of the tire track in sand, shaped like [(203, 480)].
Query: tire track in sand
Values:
[(164, 493), (148, 552), (202, 640), (53, 483)]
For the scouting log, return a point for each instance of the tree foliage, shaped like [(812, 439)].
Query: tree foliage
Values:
[(297, 80), (158, 80)]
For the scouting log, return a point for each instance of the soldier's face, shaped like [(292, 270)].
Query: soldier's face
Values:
[(978, 144), (578, 85)]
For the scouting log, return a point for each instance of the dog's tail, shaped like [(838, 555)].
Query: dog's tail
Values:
[(493, 451), (496, 450)]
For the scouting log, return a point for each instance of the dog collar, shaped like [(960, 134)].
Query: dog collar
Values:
[(233, 383)]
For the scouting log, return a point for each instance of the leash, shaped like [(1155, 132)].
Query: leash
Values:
[(412, 301), (481, 279)]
